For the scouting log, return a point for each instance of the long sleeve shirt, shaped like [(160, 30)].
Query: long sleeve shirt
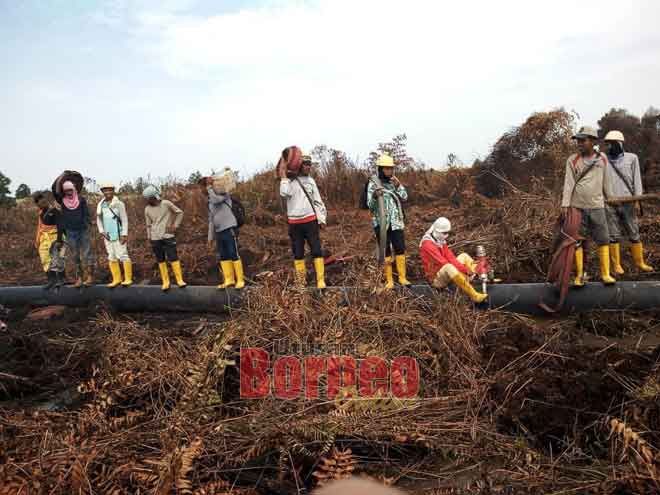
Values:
[(111, 218), (593, 189), (77, 219), (159, 217), (628, 165), (221, 217), (392, 197), (434, 257), (299, 209)]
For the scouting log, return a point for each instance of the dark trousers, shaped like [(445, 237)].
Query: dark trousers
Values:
[(226, 245), (395, 240), (301, 232), (165, 250)]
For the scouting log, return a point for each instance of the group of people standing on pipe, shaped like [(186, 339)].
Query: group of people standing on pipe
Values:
[(591, 178)]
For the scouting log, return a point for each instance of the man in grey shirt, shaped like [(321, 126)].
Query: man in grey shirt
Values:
[(625, 179), (585, 189)]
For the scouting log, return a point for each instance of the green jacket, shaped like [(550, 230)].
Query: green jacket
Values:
[(393, 206)]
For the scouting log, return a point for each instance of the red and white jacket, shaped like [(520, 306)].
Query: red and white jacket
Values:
[(298, 206), (434, 257)]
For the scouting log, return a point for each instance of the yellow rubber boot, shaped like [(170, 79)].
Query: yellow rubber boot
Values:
[(240, 274), (164, 276), (227, 268), (463, 284), (115, 270), (301, 273), (615, 256), (389, 275), (579, 267), (604, 258), (401, 269), (128, 274), (178, 274), (319, 267), (637, 250)]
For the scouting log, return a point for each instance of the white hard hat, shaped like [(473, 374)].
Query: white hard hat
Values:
[(106, 185), (442, 225), (614, 136)]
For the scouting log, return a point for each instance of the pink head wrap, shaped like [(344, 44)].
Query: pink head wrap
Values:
[(70, 202)]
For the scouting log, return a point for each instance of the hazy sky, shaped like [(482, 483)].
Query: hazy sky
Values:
[(120, 88)]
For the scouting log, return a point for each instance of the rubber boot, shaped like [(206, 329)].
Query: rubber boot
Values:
[(637, 250), (615, 256), (389, 276), (319, 267), (52, 280), (463, 284), (164, 276), (301, 273), (79, 278), (604, 258), (178, 274), (89, 276), (128, 274), (115, 270), (401, 269), (579, 267), (240, 274), (227, 268)]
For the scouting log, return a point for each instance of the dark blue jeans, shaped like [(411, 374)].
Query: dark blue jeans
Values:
[(81, 249), (226, 245)]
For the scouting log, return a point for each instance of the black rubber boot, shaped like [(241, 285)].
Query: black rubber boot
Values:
[(52, 280)]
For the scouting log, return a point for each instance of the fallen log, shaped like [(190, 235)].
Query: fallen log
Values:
[(516, 298)]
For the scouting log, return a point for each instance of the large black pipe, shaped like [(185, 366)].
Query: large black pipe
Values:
[(517, 298)]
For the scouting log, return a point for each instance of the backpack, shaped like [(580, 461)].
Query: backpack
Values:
[(363, 205), (238, 210)]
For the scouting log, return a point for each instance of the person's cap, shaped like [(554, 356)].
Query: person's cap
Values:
[(385, 160), (306, 159), (150, 192), (586, 132), (106, 185), (614, 136)]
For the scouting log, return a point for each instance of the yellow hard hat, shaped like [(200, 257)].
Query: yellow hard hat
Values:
[(385, 160), (614, 136)]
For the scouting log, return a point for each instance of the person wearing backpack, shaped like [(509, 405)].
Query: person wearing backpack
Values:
[(625, 179), (386, 185), (585, 189), (223, 228), (49, 240), (112, 223), (306, 215)]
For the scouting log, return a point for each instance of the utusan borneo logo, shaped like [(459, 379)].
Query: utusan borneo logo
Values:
[(315, 371)]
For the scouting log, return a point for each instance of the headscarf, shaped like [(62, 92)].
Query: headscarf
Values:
[(151, 192), (616, 149), (438, 232), (71, 202)]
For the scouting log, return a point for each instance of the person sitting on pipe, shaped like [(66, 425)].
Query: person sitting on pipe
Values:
[(586, 186), (49, 240), (625, 179), (441, 267), (387, 185), (163, 218), (307, 215), (223, 228), (112, 223)]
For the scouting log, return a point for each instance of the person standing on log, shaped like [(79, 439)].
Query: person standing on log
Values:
[(625, 179), (163, 218), (585, 189), (112, 223), (75, 222), (223, 228), (441, 267), (386, 185), (306, 216), (49, 240)]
